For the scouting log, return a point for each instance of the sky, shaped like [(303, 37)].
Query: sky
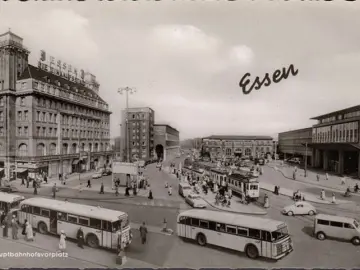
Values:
[(185, 58)]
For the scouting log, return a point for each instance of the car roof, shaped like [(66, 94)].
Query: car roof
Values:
[(303, 203), (334, 218)]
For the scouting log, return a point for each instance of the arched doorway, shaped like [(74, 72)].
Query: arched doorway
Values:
[(159, 149)]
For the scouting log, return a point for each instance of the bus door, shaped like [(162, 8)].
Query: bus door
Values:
[(53, 221), (266, 245), (188, 228)]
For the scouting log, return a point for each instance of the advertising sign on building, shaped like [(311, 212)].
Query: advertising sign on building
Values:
[(125, 168)]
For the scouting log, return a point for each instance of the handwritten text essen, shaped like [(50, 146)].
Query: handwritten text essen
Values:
[(247, 86)]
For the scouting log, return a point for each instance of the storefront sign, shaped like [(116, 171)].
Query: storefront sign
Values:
[(59, 68)]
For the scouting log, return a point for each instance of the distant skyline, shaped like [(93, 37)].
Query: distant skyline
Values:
[(186, 58)]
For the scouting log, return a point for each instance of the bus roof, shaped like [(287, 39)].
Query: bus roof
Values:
[(334, 218), (75, 209), (10, 198), (235, 219)]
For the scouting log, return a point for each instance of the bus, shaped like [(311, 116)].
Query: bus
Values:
[(257, 237), (244, 186), (9, 203), (101, 226)]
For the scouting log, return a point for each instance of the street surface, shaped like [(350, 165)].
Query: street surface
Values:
[(170, 251)]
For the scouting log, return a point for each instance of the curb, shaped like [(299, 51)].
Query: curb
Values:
[(236, 212)]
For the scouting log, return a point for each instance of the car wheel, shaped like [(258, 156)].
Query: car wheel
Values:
[(252, 252), (311, 213), (355, 241), (321, 236), (290, 213), (201, 239)]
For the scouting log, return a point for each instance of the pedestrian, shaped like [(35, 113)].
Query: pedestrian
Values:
[(127, 194), (102, 188), (54, 190), (2, 218), (5, 226), (150, 195), (45, 179), (326, 176), (322, 196), (35, 188), (143, 232), (22, 181), (117, 190), (170, 191), (333, 198), (343, 182), (14, 228), (60, 176), (80, 238), (318, 177), (88, 184), (34, 183), (135, 189), (27, 182), (266, 201), (294, 175), (62, 242), (23, 232), (29, 232)]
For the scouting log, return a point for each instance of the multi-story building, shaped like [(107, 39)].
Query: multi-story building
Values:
[(335, 141), (52, 118), (222, 145), (295, 143), (140, 133), (167, 142)]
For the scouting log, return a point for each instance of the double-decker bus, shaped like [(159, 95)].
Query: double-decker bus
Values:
[(257, 237), (9, 203), (245, 186), (102, 227)]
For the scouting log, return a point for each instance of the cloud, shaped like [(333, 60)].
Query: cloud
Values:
[(241, 55)]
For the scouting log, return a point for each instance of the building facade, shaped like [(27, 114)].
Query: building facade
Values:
[(335, 141), (229, 146), (296, 143), (52, 119), (167, 142), (140, 142)]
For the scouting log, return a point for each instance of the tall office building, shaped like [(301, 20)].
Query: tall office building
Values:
[(140, 134)]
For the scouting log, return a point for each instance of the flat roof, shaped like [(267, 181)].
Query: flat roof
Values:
[(295, 130), (347, 110), (76, 209), (238, 137), (165, 125), (234, 219), (6, 197)]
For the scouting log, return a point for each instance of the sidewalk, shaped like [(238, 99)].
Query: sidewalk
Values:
[(334, 181), (308, 196), (235, 207)]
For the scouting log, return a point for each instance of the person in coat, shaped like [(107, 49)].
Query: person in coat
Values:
[(170, 191), (35, 188), (333, 198), (266, 201), (29, 232), (102, 188), (143, 232), (80, 238), (150, 197), (54, 190), (27, 182), (5, 225), (14, 228), (23, 232), (88, 184), (62, 242)]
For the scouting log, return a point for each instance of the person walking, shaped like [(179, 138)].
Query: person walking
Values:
[(22, 181), (14, 228), (45, 178), (333, 198), (23, 232), (27, 182), (318, 177), (88, 184), (326, 176), (143, 233), (5, 225), (266, 201), (80, 238), (150, 197), (322, 195), (35, 188), (54, 190), (170, 191), (117, 190), (29, 232), (62, 242), (102, 188)]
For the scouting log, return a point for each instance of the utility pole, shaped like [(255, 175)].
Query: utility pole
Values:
[(127, 90), (275, 151), (306, 145), (79, 156)]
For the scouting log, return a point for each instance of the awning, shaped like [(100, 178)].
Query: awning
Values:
[(21, 170), (333, 146), (75, 162)]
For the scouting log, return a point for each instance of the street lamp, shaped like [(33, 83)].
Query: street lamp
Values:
[(121, 91)]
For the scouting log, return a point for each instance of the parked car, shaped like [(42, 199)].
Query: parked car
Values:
[(195, 201), (106, 172), (299, 208), (8, 189), (294, 161), (184, 189), (96, 175)]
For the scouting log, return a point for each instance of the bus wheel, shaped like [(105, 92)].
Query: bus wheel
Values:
[(252, 252), (355, 241), (42, 228), (201, 239), (321, 236), (92, 241)]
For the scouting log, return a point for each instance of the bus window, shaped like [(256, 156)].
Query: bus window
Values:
[(336, 224), (254, 233), (62, 216), (116, 226), (231, 229), (242, 231), (95, 223), (106, 225), (72, 219), (182, 220), (36, 210), (195, 222), (15, 204), (348, 226), (25, 208), (204, 224), (220, 227), (266, 236), (212, 225), (188, 221), (83, 221), (45, 213), (323, 222), (281, 233)]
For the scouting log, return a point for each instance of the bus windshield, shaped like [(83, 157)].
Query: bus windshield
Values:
[(116, 224), (279, 234)]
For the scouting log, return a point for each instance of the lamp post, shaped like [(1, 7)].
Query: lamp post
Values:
[(127, 90), (305, 170)]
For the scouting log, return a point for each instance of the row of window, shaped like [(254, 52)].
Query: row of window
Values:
[(238, 143), (335, 224), (137, 116), (352, 114), (347, 132)]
